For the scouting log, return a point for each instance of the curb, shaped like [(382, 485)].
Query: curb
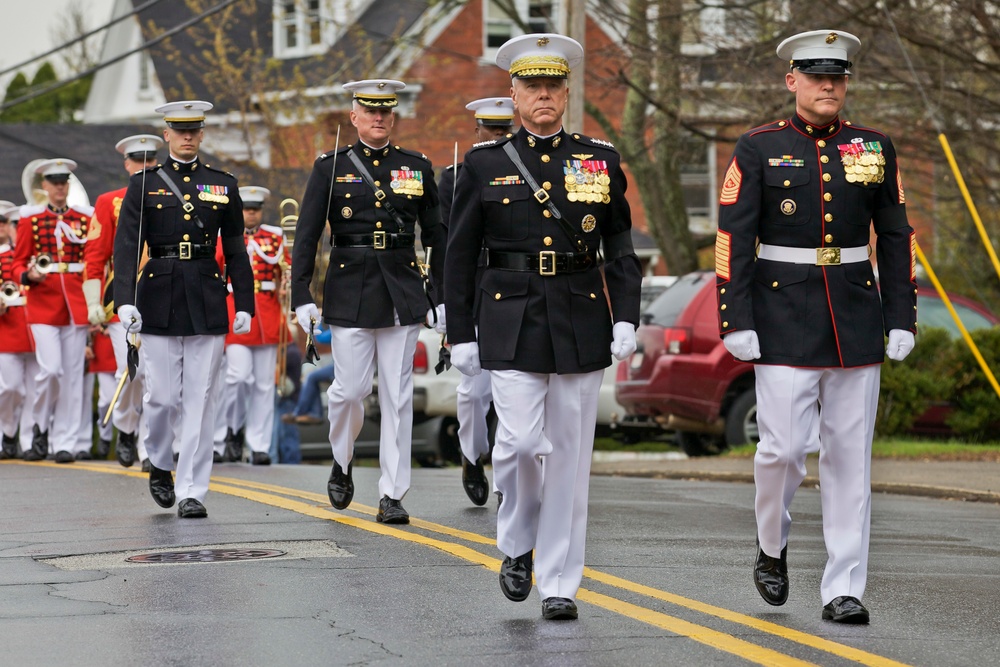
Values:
[(920, 490)]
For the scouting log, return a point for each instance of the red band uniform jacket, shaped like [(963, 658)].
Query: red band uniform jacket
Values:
[(97, 254), (266, 250), (15, 336), (364, 285), (527, 321), (62, 237), (182, 297), (793, 184)]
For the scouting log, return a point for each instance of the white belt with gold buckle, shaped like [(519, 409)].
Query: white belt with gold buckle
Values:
[(814, 256)]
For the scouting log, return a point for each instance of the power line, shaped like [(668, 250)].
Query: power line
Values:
[(153, 42), (80, 38)]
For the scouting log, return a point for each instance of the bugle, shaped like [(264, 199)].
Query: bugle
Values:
[(289, 211), (9, 292)]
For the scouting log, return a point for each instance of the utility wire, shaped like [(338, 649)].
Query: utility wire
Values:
[(80, 38), (153, 42)]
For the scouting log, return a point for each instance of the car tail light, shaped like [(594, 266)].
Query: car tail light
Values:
[(676, 340), (622, 373), (420, 363)]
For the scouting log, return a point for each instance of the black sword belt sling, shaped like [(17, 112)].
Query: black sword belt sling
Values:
[(381, 196), (185, 204)]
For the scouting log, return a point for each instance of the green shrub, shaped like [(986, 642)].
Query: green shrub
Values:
[(976, 414), (909, 387)]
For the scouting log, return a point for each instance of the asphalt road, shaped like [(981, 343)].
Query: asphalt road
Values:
[(668, 580)]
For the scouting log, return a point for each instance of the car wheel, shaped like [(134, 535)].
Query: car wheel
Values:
[(700, 444), (741, 422)]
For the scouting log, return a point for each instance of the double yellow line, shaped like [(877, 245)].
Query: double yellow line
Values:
[(316, 505)]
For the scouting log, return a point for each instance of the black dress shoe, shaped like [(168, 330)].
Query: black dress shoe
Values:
[(234, 448), (126, 451), (340, 486), (82, 456), (39, 445), (161, 486), (391, 511), (145, 465), (845, 609), (216, 457), (558, 609), (62, 456), (103, 448), (474, 481), (770, 576), (189, 508), (10, 449), (261, 459), (515, 577)]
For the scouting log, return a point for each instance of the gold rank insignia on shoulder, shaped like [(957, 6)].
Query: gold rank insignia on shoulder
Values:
[(589, 223)]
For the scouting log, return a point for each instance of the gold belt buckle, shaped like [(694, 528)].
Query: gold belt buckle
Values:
[(184, 248), (827, 256), (63, 267), (378, 240), (550, 256)]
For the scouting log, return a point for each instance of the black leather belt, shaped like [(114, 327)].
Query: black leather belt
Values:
[(377, 240), (183, 250), (546, 262)]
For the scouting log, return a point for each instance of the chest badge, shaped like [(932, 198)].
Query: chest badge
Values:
[(788, 207), (589, 223), (346, 212)]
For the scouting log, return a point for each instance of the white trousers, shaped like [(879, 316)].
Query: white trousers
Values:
[(17, 382), (179, 373), (250, 376), (474, 394), (106, 386), (59, 382), (790, 418), (128, 410), (356, 352), (223, 405), (541, 464)]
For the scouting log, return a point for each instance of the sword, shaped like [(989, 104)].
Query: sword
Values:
[(132, 363)]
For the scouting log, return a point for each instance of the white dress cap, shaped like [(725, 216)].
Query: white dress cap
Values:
[(820, 51), (495, 111), (9, 210), (184, 115), (375, 93), (139, 143), (56, 169), (539, 54), (253, 196)]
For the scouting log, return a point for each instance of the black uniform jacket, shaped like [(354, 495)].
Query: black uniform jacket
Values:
[(528, 321), (446, 188), (365, 284), (793, 184), (182, 297)]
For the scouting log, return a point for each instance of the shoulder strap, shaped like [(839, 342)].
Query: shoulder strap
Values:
[(542, 196), (379, 193), (185, 204)]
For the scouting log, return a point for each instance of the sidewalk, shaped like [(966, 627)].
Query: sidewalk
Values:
[(957, 480)]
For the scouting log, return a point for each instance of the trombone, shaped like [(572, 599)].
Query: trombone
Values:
[(289, 211)]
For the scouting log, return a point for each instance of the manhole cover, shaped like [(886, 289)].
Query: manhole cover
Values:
[(204, 555)]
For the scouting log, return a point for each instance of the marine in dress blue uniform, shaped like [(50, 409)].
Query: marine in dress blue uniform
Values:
[(374, 294), (179, 302), (494, 120), (807, 310), (545, 329)]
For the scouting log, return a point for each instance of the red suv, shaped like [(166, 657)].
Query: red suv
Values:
[(681, 377)]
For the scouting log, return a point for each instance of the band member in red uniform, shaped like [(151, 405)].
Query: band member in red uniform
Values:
[(101, 369), (49, 263), (251, 359), (139, 152), (17, 350)]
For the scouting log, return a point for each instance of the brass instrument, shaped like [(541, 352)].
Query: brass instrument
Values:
[(31, 186), (289, 211), (43, 262), (9, 291)]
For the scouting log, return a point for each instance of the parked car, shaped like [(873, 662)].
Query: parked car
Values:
[(681, 377)]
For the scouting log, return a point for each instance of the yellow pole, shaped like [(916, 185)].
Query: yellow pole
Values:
[(954, 315), (968, 202)]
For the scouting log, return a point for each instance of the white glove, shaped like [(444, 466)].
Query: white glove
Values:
[(95, 309), (742, 344), (241, 323), (305, 313), (901, 342), (439, 325), (131, 319), (465, 357), (623, 343)]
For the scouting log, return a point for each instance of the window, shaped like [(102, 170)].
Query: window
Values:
[(698, 183), (300, 28), (499, 26)]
